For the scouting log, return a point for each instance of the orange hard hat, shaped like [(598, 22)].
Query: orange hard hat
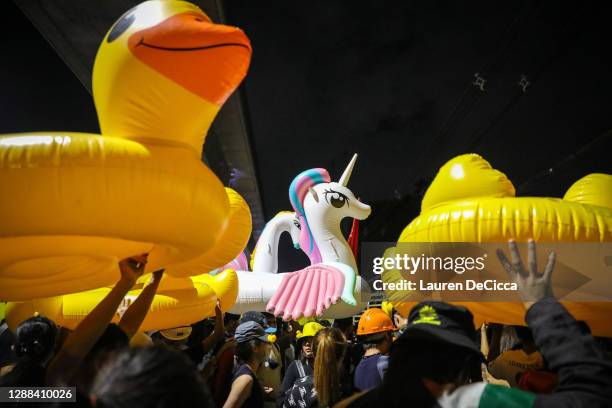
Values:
[(374, 321)]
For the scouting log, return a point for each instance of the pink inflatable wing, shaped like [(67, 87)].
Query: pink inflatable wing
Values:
[(307, 292)]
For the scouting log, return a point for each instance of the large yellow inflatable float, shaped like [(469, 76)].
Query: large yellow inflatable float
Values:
[(73, 204), (469, 201), (178, 302), (172, 306)]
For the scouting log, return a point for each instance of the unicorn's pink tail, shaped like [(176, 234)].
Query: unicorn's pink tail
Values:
[(307, 292)]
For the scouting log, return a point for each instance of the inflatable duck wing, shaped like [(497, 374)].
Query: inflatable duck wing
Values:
[(469, 201), (75, 203)]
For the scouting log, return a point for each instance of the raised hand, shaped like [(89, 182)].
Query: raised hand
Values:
[(156, 276), (532, 285), (219, 323), (133, 267)]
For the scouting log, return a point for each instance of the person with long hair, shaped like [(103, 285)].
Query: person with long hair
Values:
[(35, 340), (322, 388)]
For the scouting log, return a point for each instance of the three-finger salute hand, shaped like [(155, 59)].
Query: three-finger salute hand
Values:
[(532, 284)]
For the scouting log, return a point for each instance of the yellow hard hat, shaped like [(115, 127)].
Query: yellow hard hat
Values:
[(387, 307), (303, 320), (140, 339), (310, 330), (177, 333)]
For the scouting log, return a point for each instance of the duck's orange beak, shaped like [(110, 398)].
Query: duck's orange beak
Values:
[(207, 59)]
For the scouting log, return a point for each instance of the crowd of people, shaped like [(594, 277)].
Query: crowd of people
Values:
[(433, 357)]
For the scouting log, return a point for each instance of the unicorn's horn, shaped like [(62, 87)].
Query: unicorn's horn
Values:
[(347, 172)]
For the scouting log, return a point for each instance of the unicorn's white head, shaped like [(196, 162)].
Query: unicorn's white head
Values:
[(333, 201), (321, 204)]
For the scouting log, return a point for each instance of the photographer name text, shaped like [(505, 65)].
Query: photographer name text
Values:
[(468, 284)]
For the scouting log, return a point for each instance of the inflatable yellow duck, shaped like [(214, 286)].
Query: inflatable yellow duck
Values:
[(469, 201), (74, 203)]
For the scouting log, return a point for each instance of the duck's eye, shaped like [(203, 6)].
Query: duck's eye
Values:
[(123, 24)]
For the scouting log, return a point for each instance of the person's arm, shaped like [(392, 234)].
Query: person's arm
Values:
[(218, 333), (66, 362), (135, 314), (584, 372), (241, 389)]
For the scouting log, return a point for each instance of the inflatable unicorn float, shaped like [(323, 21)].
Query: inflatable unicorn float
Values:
[(330, 287)]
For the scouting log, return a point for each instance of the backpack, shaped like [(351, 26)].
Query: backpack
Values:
[(301, 394), (301, 376)]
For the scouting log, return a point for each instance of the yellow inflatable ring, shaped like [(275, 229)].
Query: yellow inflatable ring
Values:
[(75, 203), (174, 304), (469, 201), (179, 301), (231, 242)]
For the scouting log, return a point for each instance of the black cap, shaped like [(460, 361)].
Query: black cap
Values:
[(249, 331), (443, 322)]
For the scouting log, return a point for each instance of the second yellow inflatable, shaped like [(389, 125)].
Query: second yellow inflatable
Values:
[(469, 201)]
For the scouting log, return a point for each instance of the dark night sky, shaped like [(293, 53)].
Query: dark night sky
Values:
[(391, 81), (37, 90), (331, 79)]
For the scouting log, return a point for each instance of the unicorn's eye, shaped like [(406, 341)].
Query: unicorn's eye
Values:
[(336, 198), (297, 224)]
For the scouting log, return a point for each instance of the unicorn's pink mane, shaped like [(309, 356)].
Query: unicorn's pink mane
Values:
[(297, 193)]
